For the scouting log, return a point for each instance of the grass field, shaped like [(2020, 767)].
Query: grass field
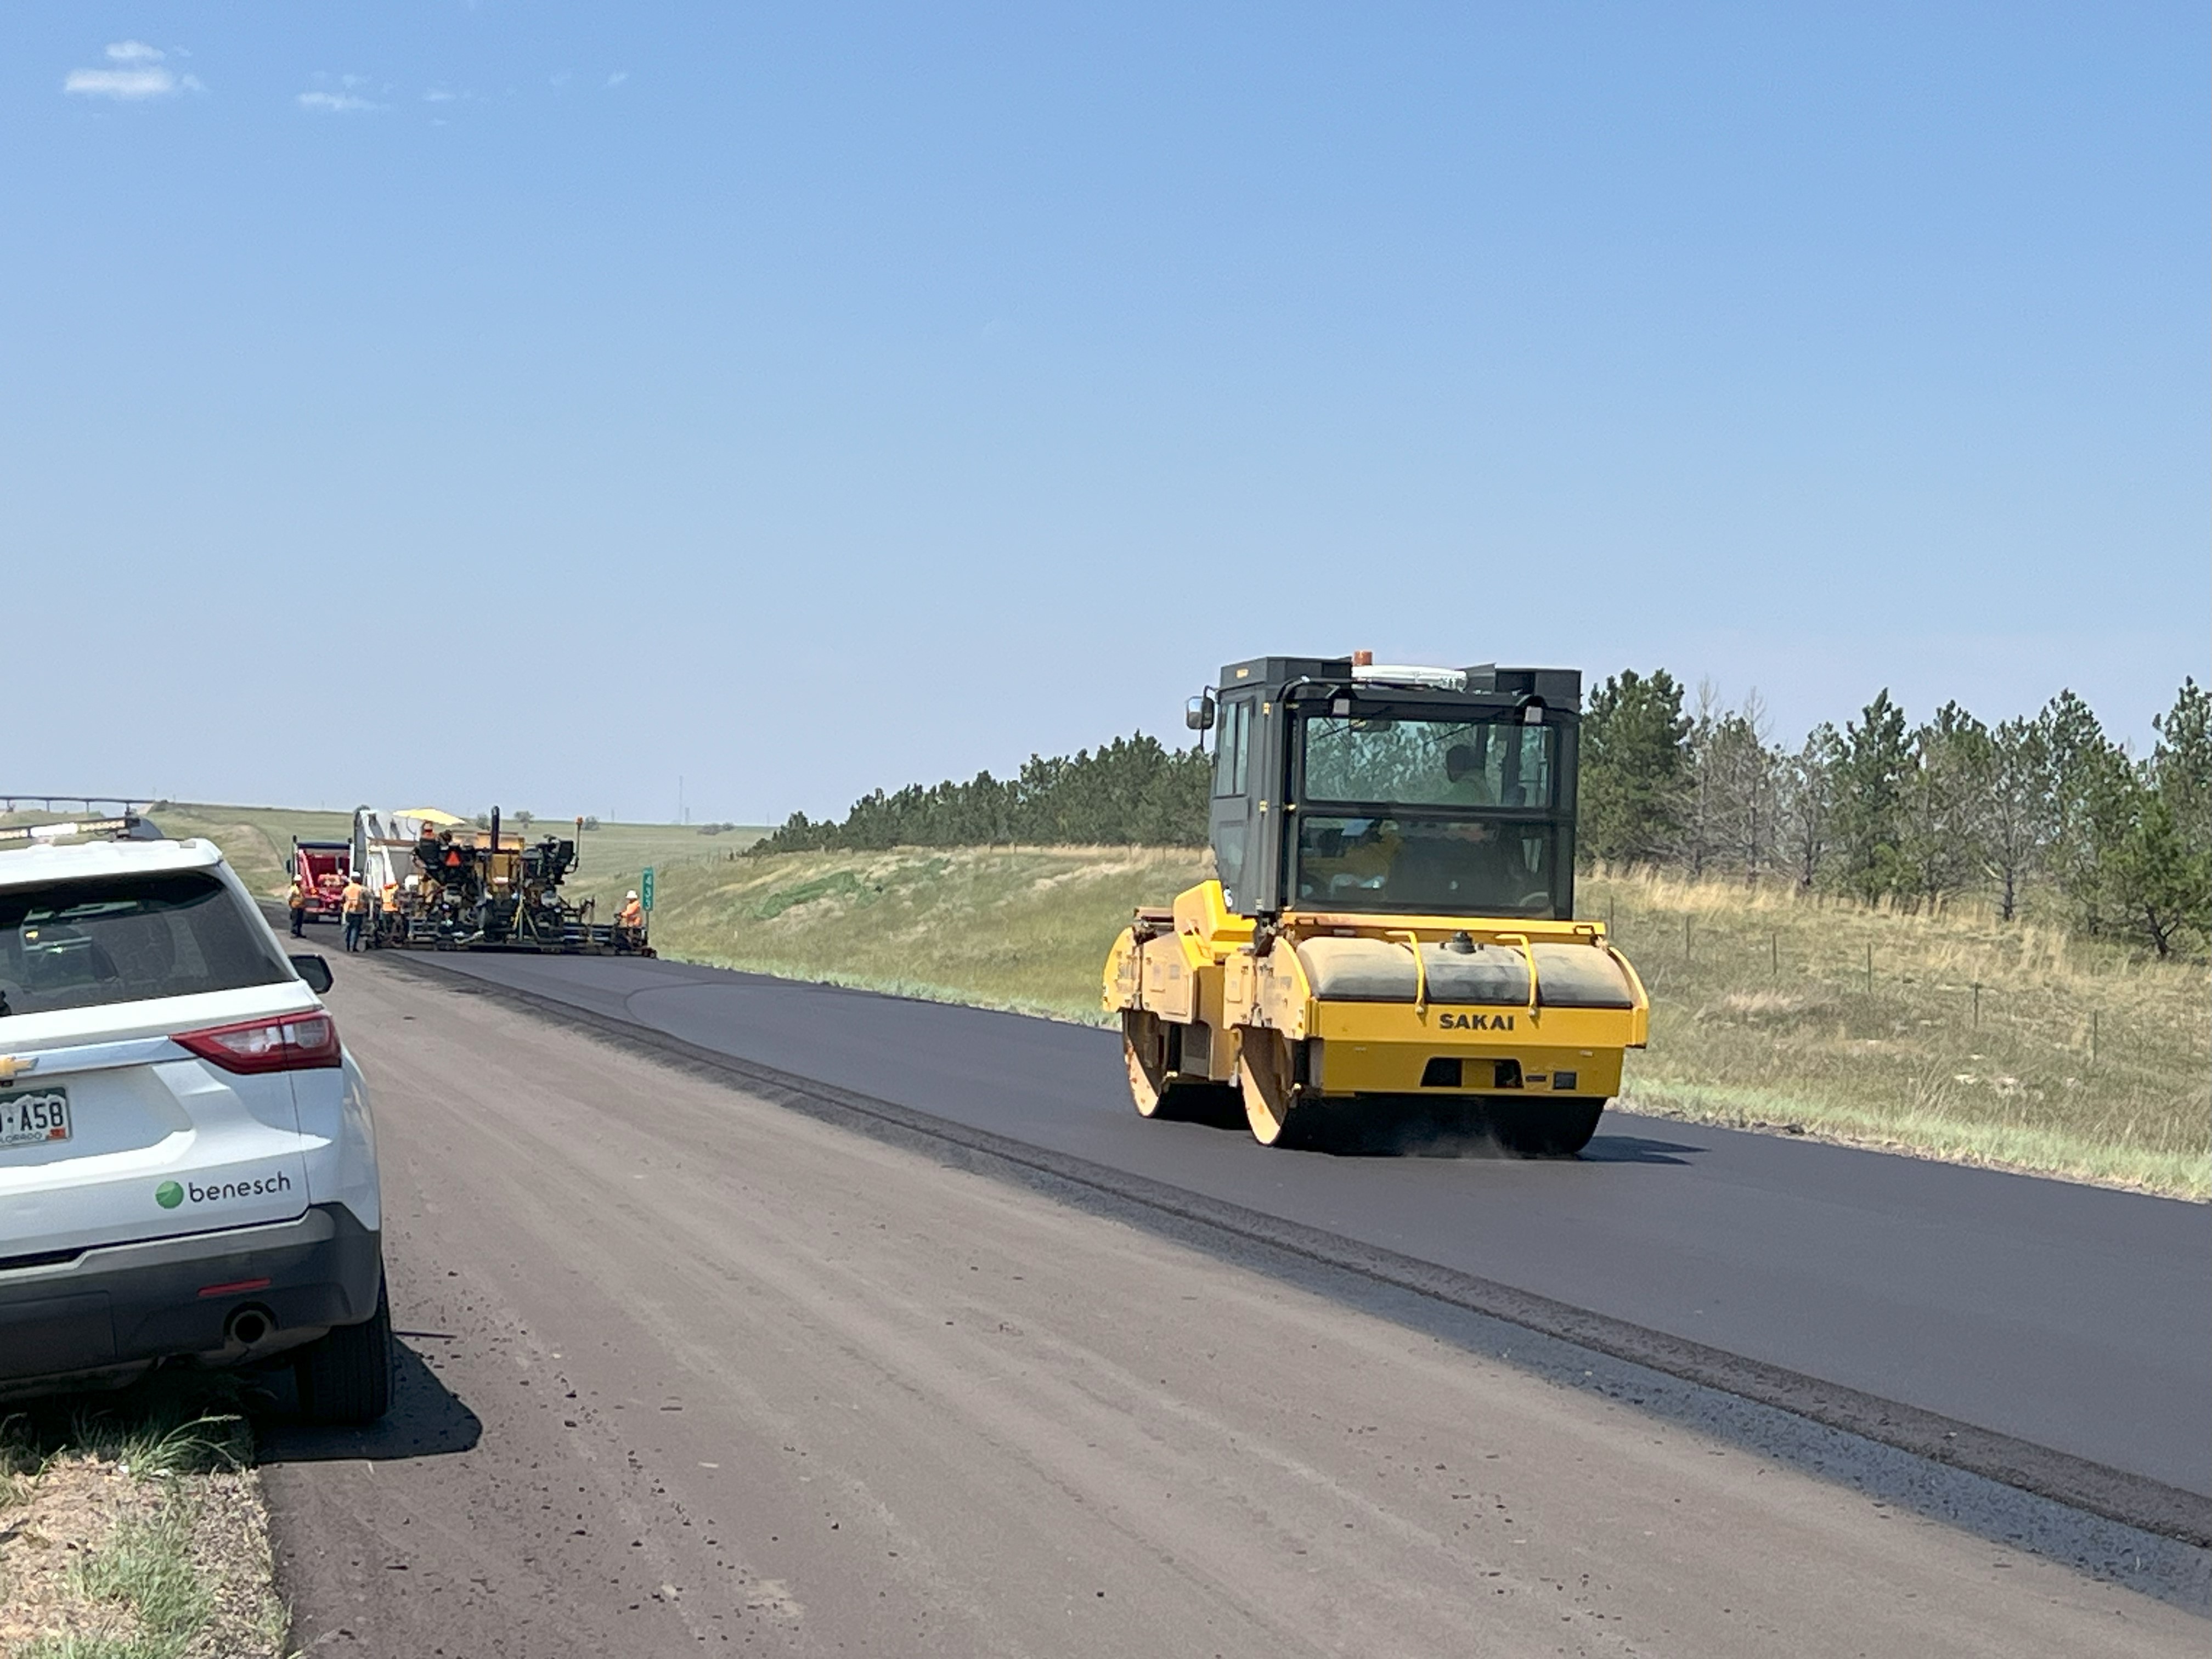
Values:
[(1010, 928), (613, 856), (2071, 1058)]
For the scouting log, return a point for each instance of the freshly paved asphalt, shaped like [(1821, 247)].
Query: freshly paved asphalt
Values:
[(2071, 1316)]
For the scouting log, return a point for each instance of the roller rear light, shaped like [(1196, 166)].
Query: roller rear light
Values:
[(289, 1042)]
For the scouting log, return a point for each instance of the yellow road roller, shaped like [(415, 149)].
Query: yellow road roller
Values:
[(1389, 943)]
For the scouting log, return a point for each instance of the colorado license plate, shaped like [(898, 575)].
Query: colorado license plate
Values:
[(30, 1117)]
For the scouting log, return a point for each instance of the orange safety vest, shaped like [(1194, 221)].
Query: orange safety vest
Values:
[(297, 898), (354, 900), (392, 899), (632, 915)]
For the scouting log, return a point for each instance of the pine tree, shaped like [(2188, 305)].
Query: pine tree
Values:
[(1870, 775), (2092, 799), (2158, 887), (2018, 811), (1634, 768), (2162, 872), (2181, 764), (1942, 804), (1131, 790)]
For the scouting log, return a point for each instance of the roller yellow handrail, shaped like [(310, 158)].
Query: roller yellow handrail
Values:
[(1529, 957), (1412, 942)]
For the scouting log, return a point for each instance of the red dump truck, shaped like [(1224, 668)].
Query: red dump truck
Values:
[(322, 867)]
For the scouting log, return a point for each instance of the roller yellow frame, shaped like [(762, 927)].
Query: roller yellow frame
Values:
[(1391, 936)]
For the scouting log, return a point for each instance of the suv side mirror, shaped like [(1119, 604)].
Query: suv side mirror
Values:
[(316, 970), (1198, 713)]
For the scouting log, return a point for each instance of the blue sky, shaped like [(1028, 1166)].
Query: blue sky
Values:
[(538, 402)]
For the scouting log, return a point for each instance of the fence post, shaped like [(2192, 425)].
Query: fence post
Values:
[(1977, 1005), (1869, 967)]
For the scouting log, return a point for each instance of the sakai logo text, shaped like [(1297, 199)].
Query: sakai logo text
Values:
[(171, 1194), (1477, 1022)]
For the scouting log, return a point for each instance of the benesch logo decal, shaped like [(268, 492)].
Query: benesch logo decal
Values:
[(1477, 1022), (169, 1194)]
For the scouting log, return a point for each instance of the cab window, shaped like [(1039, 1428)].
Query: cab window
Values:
[(1232, 748), (1441, 763)]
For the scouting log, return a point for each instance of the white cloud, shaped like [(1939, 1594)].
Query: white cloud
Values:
[(439, 95), (617, 78), (133, 83), (141, 74), (335, 103)]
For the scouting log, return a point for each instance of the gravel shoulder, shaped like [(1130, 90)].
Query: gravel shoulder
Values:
[(689, 1369)]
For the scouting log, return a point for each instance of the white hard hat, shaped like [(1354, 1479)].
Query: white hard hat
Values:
[(631, 894)]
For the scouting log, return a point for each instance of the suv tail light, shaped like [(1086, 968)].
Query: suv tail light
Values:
[(292, 1042)]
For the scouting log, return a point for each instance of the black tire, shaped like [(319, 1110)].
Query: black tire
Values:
[(1551, 1128), (346, 1378)]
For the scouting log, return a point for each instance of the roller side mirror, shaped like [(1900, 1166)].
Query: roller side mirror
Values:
[(1198, 713)]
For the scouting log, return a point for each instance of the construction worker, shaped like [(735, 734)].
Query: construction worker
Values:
[(1466, 780), (353, 906), (632, 914), (296, 900)]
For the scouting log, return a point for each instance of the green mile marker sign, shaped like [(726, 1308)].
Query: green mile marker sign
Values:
[(645, 888)]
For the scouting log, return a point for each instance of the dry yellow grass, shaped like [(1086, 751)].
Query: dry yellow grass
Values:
[(1953, 1034), (1763, 1012)]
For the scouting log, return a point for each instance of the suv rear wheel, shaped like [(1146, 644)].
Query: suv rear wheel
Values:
[(346, 1378)]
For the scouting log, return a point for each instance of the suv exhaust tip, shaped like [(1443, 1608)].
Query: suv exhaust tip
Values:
[(249, 1326)]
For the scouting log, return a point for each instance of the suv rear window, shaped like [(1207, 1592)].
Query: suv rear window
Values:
[(125, 938)]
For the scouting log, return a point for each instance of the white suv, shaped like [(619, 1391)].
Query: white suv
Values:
[(188, 1164)]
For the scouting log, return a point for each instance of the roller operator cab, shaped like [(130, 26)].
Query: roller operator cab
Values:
[(1390, 936)]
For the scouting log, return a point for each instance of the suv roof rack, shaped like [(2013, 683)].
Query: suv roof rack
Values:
[(128, 827)]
